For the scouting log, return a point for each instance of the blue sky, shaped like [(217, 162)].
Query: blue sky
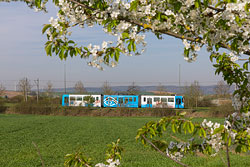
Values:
[(22, 55)]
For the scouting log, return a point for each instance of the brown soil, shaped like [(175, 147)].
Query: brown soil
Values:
[(11, 94)]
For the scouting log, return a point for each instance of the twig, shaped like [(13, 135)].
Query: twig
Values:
[(164, 154), (228, 158), (39, 154), (227, 148)]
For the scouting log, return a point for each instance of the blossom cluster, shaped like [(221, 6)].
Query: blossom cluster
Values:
[(236, 125), (110, 163), (176, 150), (225, 25), (215, 140), (237, 102)]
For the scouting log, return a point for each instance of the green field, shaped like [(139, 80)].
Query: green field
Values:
[(58, 135)]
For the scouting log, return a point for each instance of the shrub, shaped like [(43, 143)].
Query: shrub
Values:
[(2, 105), (223, 110)]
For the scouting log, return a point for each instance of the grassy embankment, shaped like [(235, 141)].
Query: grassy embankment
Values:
[(58, 135)]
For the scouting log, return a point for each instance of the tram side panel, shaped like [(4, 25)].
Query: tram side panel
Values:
[(130, 101)]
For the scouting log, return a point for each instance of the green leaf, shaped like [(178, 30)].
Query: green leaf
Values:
[(185, 127), (191, 127), (238, 149), (197, 3), (38, 3), (61, 54), (78, 50), (117, 55), (129, 46), (70, 41), (112, 54), (71, 53), (245, 65), (133, 5), (125, 35), (218, 130), (46, 27), (173, 127), (134, 46), (48, 49)]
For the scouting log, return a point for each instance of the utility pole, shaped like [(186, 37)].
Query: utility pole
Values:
[(37, 85), (25, 89), (65, 78), (180, 77), (15, 86)]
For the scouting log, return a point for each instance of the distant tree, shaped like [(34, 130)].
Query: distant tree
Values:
[(79, 88), (2, 89), (49, 89), (161, 89), (196, 92), (133, 89), (192, 94), (106, 89), (24, 86), (222, 89)]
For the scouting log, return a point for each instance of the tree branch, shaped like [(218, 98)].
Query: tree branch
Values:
[(162, 153), (167, 32), (214, 8)]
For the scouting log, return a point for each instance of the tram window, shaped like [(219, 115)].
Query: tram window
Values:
[(78, 98), (144, 99), (163, 99), (130, 99), (126, 100), (134, 98), (149, 101), (120, 100), (73, 98), (170, 99), (156, 99)]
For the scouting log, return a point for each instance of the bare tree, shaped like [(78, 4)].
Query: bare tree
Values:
[(133, 89), (192, 94), (49, 89), (24, 86), (79, 88), (106, 89), (2, 89), (222, 89), (196, 92), (161, 89)]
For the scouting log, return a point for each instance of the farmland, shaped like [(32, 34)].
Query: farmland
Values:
[(56, 136)]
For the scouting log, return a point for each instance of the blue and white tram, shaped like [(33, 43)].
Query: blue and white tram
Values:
[(78, 100), (154, 101), (130, 101)]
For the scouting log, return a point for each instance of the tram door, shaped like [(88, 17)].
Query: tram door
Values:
[(149, 102), (65, 101), (178, 103)]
